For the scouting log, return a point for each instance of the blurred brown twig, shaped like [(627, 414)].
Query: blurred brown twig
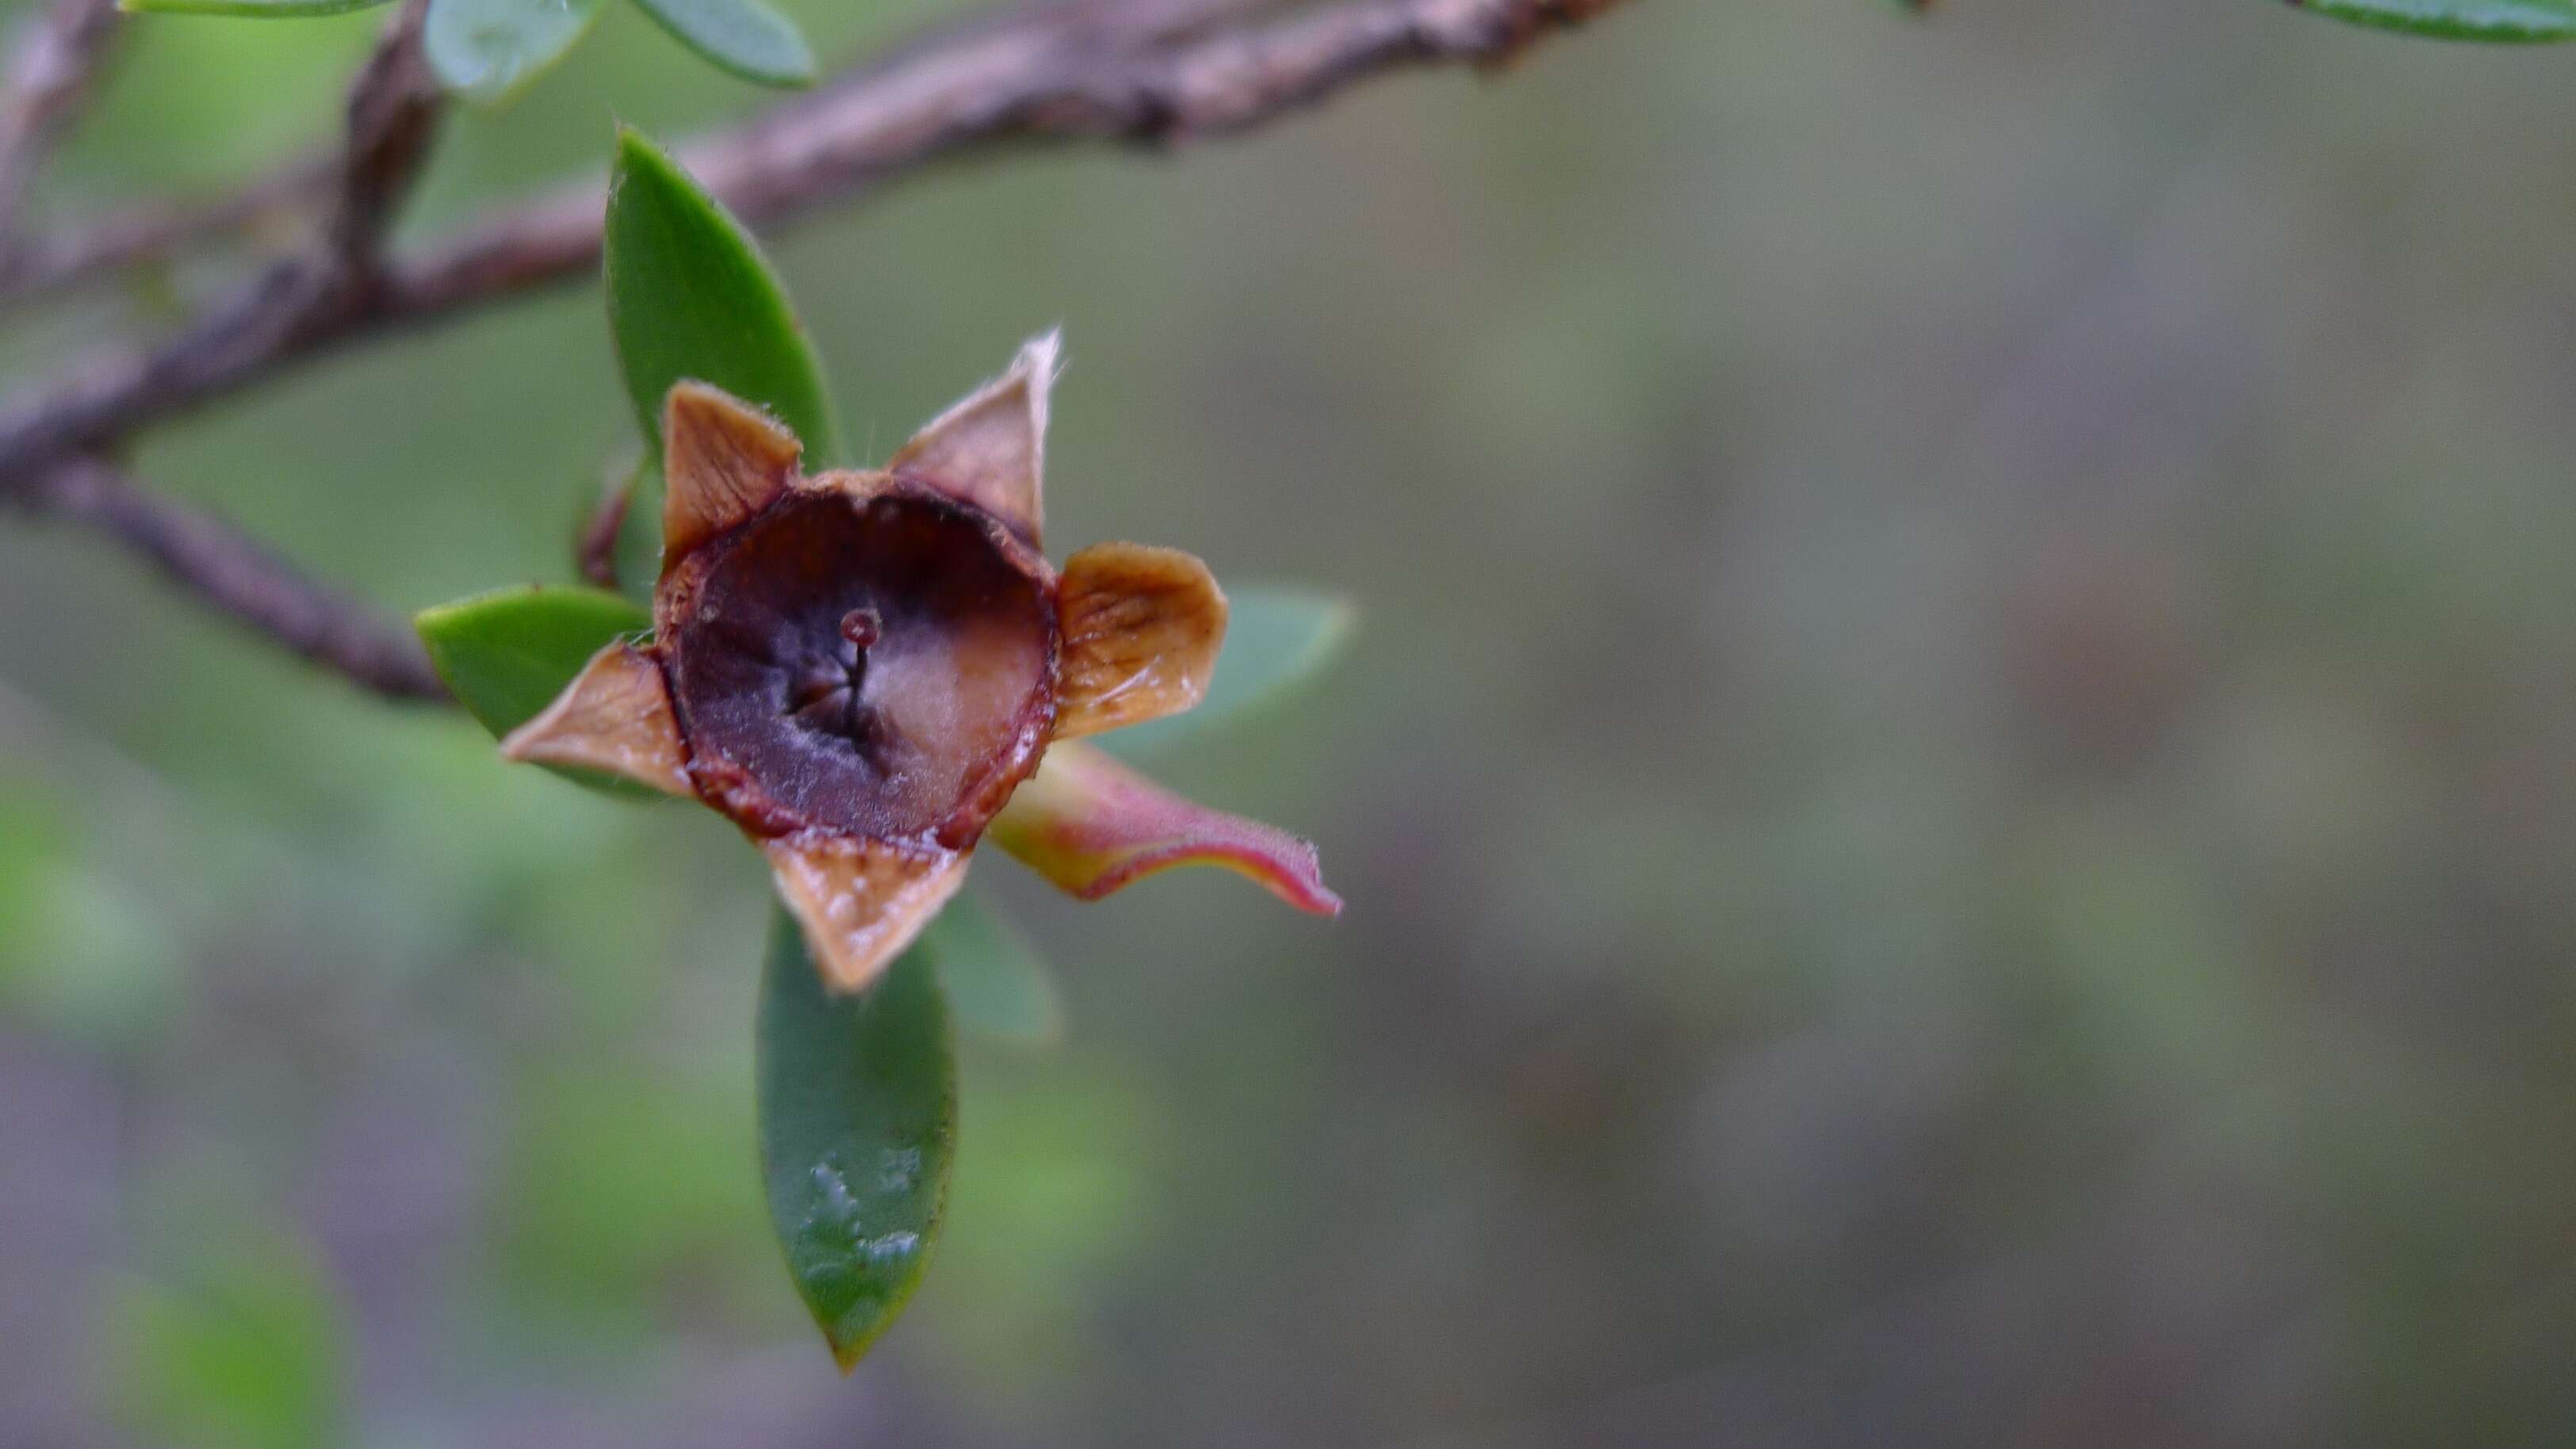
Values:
[(234, 575), (52, 73), (79, 253), (1152, 72)]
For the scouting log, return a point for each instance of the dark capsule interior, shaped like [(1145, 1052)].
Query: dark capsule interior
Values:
[(866, 665)]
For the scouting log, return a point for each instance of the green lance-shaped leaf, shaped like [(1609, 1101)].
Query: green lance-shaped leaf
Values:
[(690, 296), (1275, 640), (746, 37), (249, 7), (858, 1127), (486, 49), (2509, 21), (997, 981), (506, 655)]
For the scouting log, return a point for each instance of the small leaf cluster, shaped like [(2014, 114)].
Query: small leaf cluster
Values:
[(486, 50), (857, 1095)]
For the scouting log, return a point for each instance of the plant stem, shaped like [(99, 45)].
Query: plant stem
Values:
[(1149, 72)]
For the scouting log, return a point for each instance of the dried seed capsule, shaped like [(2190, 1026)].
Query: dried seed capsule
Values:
[(858, 668), (865, 655)]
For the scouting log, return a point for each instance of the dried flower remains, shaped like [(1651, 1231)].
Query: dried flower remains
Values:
[(860, 668)]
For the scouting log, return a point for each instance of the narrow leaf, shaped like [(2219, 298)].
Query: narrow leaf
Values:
[(746, 37), (690, 296), (1092, 826), (2510, 21), (508, 654), (998, 983), (858, 1126), (1276, 640), (248, 7), (486, 49)]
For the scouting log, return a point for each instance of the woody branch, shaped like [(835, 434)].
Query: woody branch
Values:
[(1153, 72)]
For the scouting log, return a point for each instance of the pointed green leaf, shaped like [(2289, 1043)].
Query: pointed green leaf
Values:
[(1275, 640), (858, 1126), (249, 7), (2491, 20), (508, 654), (690, 296), (746, 37), (996, 980), (486, 49)]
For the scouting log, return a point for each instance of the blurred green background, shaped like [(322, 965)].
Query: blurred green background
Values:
[(1956, 785)]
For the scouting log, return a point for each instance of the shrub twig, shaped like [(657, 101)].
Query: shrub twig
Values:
[(1149, 72), (52, 73), (234, 575)]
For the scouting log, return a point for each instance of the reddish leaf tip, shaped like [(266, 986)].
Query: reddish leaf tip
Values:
[(1092, 826)]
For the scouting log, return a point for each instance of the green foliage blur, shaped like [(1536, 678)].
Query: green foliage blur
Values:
[(1956, 785)]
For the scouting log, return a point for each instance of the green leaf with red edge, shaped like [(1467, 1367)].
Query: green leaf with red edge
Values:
[(858, 1129), (506, 655), (691, 296), (2503, 21), (1092, 826), (485, 50), (746, 37)]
